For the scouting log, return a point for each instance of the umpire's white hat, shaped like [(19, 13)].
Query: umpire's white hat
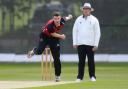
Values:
[(87, 5)]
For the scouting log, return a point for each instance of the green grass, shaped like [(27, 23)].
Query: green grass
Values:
[(109, 75)]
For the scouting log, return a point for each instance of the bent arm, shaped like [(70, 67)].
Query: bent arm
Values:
[(58, 35), (55, 35), (69, 17)]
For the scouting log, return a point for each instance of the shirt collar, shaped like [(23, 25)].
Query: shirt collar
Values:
[(85, 16)]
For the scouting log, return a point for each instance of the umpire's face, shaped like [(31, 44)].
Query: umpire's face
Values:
[(86, 11), (57, 19)]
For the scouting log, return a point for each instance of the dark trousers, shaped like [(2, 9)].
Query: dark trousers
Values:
[(84, 50), (54, 45)]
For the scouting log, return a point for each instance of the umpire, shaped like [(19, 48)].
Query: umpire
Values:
[(86, 36)]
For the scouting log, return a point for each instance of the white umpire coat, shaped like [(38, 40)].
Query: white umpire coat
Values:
[(86, 31)]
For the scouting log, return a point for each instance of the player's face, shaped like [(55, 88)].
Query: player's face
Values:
[(57, 19), (86, 11)]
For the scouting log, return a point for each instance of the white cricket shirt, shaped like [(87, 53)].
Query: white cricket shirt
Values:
[(86, 31)]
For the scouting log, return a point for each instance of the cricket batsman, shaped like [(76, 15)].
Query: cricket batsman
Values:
[(50, 36)]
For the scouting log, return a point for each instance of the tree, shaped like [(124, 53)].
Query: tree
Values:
[(3, 10), (13, 7)]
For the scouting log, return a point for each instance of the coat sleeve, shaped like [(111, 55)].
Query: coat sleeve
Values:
[(75, 32), (97, 33)]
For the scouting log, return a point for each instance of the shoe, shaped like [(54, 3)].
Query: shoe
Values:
[(30, 54), (78, 80), (93, 79), (57, 79)]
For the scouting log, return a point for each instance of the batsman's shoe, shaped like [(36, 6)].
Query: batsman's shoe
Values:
[(57, 79), (93, 79), (30, 54)]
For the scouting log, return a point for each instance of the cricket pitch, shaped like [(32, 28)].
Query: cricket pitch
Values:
[(27, 84)]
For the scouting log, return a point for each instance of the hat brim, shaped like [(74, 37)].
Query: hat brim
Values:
[(92, 9)]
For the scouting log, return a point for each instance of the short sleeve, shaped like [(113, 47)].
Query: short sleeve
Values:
[(63, 21), (50, 28)]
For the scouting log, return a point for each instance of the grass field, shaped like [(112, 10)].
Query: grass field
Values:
[(109, 75)]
